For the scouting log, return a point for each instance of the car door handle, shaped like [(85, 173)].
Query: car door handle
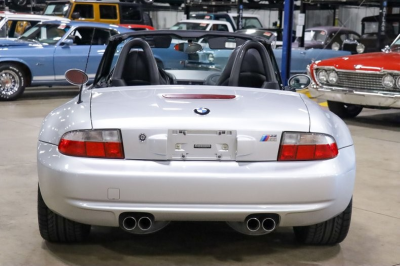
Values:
[(101, 51), (303, 52)]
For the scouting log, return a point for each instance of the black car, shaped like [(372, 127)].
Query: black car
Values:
[(336, 38)]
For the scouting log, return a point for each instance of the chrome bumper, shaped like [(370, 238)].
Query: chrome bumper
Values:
[(376, 98), (97, 191)]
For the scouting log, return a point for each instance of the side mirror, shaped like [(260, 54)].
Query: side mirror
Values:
[(76, 77), (75, 15), (67, 42), (299, 82)]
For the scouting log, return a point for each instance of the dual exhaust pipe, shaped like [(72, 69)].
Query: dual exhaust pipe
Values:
[(255, 224), (144, 223)]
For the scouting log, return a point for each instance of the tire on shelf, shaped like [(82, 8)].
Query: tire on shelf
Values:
[(12, 81), (330, 232), (55, 228), (20, 3), (344, 110)]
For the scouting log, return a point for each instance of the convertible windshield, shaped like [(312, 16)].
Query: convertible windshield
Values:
[(189, 54), (46, 33), (315, 35)]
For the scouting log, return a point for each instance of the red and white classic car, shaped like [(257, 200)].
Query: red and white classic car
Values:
[(350, 83)]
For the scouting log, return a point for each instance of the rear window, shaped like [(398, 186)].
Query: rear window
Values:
[(189, 26), (250, 23)]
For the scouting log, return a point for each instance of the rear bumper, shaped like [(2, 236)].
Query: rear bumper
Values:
[(97, 191), (378, 99)]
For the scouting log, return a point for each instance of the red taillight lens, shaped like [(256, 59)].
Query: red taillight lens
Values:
[(307, 146), (92, 143)]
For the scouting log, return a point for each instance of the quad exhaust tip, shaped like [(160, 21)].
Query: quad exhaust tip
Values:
[(253, 224), (145, 223), (129, 223)]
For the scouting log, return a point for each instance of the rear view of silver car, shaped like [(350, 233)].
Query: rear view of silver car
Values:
[(138, 151)]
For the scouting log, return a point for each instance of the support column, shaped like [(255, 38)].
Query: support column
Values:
[(382, 24), (239, 24), (287, 40)]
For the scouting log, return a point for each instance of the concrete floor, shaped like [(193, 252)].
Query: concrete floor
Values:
[(374, 237)]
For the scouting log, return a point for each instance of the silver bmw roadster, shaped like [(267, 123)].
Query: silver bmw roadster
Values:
[(189, 137)]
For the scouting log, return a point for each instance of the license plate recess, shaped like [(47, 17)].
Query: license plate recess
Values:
[(219, 145)]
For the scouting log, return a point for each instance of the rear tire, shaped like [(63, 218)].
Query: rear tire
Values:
[(12, 82), (55, 228), (344, 110), (330, 232)]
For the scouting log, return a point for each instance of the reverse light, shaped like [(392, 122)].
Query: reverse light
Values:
[(92, 143), (296, 146)]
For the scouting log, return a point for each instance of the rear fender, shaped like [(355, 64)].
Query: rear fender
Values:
[(324, 121)]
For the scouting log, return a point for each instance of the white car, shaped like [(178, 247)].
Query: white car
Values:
[(202, 24), (144, 146), (12, 25)]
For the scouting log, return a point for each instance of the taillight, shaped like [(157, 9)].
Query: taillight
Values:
[(92, 143), (307, 146)]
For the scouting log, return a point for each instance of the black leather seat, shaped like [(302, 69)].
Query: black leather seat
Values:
[(249, 66), (135, 72), (137, 66), (252, 73)]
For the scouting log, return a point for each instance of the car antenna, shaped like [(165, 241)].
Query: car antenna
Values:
[(87, 61)]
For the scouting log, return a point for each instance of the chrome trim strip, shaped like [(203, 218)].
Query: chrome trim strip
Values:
[(41, 78), (350, 91)]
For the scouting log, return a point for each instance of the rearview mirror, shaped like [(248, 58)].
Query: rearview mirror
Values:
[(67, 42), (76, 77), (189, 48), (299, 82)]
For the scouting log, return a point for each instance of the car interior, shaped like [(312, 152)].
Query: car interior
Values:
[(247, 66)]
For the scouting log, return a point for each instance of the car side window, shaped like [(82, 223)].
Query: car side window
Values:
[(108, 12), (218, 27), (343, 37), (101, 37), (84, 10), (83, 36)]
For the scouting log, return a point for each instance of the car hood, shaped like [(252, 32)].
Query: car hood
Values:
[(252, 114), (17, 42), (367, 62)]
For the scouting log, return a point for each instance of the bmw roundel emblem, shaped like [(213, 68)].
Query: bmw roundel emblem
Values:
[(202, 111)]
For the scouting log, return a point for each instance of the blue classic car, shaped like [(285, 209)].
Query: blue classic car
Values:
[(204, 57), (42, 55)]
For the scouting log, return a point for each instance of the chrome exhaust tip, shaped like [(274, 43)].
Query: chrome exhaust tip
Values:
[(268, 224), (145, 223), (129, 223), (253, 224)]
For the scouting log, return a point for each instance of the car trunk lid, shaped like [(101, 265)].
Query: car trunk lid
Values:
[(209, 123)]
